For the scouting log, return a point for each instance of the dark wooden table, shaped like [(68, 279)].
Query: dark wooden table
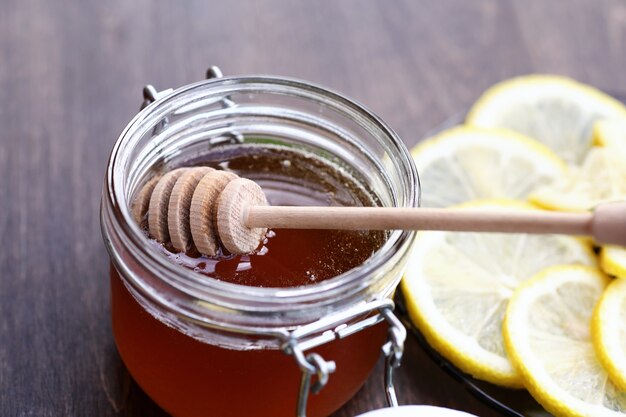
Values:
[(71, 74)]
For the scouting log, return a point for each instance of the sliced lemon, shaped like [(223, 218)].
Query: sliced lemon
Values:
[(610, 132), (601, 178), (548, 338), (609, 332), (613, 260), (457, 286), (467, 163), (555, 110)]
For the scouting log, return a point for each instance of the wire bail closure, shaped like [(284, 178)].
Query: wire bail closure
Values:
[(151, 94), (312, 364), (315, 369)]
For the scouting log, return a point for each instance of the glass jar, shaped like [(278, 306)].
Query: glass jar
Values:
[(199, 346)]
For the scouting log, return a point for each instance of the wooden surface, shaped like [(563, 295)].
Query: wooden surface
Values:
[(71, 74)]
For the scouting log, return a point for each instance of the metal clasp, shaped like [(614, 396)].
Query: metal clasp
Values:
[(312, 364), (393, 351), (151, 94)]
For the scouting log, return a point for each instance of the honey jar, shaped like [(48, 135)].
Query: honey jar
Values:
[(297, 327)]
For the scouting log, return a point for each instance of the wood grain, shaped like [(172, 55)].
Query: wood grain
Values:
[(71, 74)]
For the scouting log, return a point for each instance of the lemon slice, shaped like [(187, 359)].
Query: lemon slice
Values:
[(467, 163), (548, 338), (555, 110), (609, 332), (601, 178), (610, 132), (457, 286), (613, 260)]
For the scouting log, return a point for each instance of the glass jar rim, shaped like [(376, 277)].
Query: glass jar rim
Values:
[(116, 208)]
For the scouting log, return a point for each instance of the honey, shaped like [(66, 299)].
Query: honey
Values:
[(192, 378), (287, 257)]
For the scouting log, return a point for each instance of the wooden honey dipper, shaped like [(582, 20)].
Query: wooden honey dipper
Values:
[(208, 206)]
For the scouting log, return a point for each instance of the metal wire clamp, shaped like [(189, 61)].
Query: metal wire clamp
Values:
[(339, 326), (151, 94)]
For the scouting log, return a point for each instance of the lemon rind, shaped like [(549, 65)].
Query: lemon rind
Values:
[(553, 200), (493, 94), (464, 132), (605, 324), (610, 264)]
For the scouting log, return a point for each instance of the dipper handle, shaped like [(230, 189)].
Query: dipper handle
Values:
[(606, 224), (242, 217)]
